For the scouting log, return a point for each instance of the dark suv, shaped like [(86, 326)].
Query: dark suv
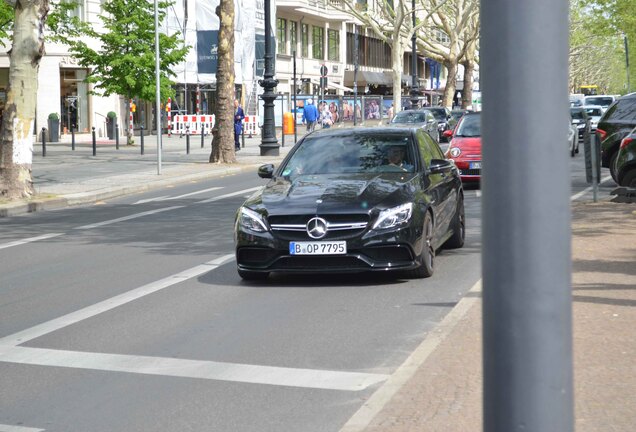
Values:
[(616, 123), (626, 161)]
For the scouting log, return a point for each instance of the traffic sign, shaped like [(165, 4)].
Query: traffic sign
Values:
[(323, 70)]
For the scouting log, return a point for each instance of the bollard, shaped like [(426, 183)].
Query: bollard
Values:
[(116, 135), (72, 138), (243, 137), (94, 143), (43, 142), (187, 139), (202, 138), (141, 138)]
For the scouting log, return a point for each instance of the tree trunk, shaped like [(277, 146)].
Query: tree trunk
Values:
[(397, 56), (467, 93), (16, 136), (223, 131), (451, 83)]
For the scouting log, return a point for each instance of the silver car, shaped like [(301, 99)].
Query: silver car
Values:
[(594, 112), (422, 119), (573, 139)]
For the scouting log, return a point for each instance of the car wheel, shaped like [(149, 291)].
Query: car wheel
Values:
[(612, 166), (252, 276), (629, 180), (426, 268), (458, 226)]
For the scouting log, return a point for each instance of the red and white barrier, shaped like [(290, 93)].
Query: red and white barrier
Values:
[(198, 111), (250, 126), (169, 113), (130, 118), (192, 124)]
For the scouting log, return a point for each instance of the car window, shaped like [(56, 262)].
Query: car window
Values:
[(623, 109), (469, 126), (349, 153), (597, 112), (438, 113), (578, 114), (426, 146), (409, 117), (599, 100)]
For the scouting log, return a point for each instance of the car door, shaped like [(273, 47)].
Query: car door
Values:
[(438, 186)]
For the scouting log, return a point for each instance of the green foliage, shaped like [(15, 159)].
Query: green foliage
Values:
[(6, 21), (125, 62), (54, 116), (111, 114)]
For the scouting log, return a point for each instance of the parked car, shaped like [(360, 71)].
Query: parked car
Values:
[(573, 139), (422, 119), (616, 123), (594, 112), (604, 101), (626, 161), (465, 147), (455, 115), (442, 115), (583, 123), (341, 201)]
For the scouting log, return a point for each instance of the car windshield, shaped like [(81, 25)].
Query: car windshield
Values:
[(599, 100), (596, 112), (577, 114), (351, 153), (438, 113), (469, 126), (409, 117)]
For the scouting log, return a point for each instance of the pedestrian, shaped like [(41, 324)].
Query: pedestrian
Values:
[(390, 113), (325, 116), (239, 116), (310, 115)]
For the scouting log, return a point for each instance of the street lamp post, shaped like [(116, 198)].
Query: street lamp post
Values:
[(269, 143), (415, 90), (627, 62)]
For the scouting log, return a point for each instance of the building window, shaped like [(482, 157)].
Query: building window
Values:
[(318, 41), (78, 11), (281, 35), (442, 37), (293, 35), (333, 46), (304, 39)]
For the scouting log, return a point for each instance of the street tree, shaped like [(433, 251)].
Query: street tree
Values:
[(124, 62), (18, 117), (223, 131), (391, 22), (449, 37)]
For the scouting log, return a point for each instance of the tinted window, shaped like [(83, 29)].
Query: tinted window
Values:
[(623, 109), (425, 143), (438, 113), (578, 114), (347, 153), (469, 126), (599, 100), (596, 112), (409, 117)]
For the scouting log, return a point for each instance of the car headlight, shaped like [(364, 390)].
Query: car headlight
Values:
[(580, 125), (251, 220), (394, 216), (455, 151), (441, 126)]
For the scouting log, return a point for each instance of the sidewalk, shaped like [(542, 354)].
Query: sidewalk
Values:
[(441, 387), (67, 177)]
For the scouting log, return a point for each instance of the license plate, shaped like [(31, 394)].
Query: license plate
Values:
[(318, 248), (475, 165)]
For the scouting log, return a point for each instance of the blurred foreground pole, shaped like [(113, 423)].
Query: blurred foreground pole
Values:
[(527, 326)]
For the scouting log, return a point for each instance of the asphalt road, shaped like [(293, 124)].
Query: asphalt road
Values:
[(129, 316)]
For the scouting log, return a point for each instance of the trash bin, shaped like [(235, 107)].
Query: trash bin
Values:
[(111, 121), (288, 123), (54, 127)]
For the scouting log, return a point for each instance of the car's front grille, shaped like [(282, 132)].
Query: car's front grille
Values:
[(320, 262), (255, 255), (468, 172), (339, 227), (391, 253)]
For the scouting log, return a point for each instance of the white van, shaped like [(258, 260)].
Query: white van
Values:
[(603, 100)]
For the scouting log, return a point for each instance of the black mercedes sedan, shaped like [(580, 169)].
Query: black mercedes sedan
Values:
[(353, 200)]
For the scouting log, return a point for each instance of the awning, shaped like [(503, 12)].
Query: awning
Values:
[(332, 85), (367, 77)]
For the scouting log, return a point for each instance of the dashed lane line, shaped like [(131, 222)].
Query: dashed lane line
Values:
[(29, 240), (11, 428)]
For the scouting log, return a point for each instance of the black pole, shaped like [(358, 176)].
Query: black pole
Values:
[(141, 138), (629, 90), (269, 142), (295, 102), (72, 137), (116, 135), (415, 90), (187, 139), (202, 136), (94, 142), (43, 142), (243, 137), (355, 77)]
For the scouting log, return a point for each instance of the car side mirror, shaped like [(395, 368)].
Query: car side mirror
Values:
[(447, 133), (266, 171), (439, 166)]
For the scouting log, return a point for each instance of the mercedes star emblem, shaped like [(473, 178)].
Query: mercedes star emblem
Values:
[(317, 228)]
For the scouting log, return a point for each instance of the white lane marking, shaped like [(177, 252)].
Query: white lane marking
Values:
[(125, 218), (29, 240), (220, 197), (168, 197), (111, 303), (200, 369), (143, 201), (361, 419), (588, 189), (11, 428)]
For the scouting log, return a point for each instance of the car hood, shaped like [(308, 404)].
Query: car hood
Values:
[(333, 193), (467, 144)]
